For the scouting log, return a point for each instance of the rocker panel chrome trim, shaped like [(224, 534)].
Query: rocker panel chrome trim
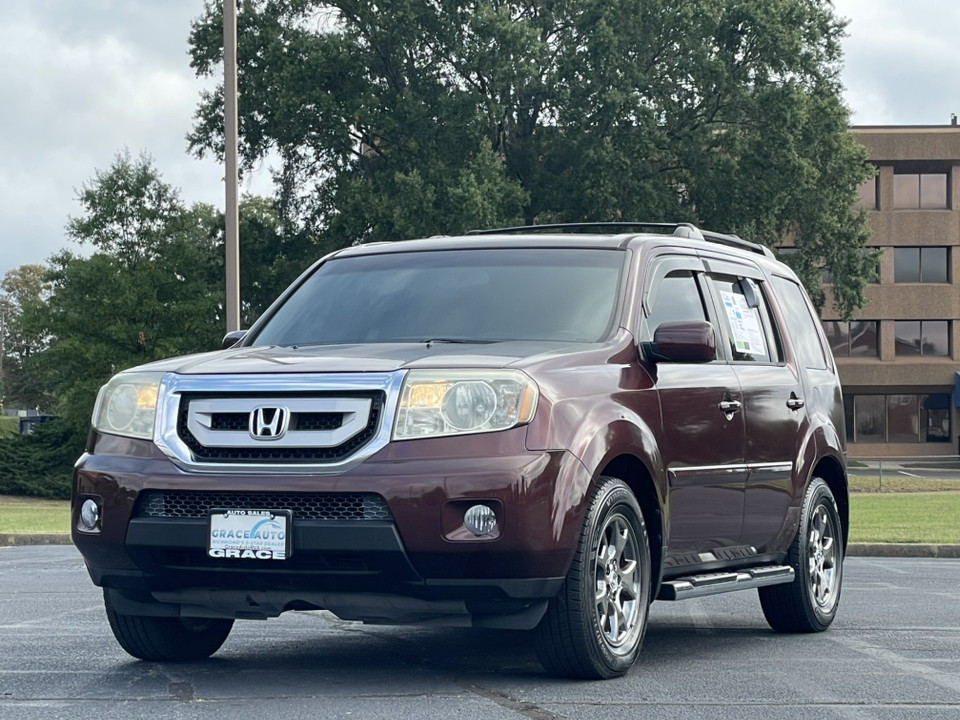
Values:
[(783, 467)]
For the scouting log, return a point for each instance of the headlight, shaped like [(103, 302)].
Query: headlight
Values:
[(455, 402), (127, 405)]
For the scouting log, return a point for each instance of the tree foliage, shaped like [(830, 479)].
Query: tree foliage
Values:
[(22, 288), (151, 288), (417, 117), (272, 255), (40, 464)]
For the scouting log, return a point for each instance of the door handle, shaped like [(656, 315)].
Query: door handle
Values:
[(730, 406), (794, 403)]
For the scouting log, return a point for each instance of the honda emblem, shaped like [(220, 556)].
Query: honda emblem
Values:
[(269, 423)]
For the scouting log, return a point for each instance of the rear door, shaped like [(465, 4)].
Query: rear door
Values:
[(703, 430)]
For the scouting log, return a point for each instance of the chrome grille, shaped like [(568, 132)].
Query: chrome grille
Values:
[(263, 452)]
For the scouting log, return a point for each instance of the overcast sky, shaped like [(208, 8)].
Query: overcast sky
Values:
[(82, 79)]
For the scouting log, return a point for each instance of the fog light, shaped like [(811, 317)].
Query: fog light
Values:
[(89, 514), (480, 520)]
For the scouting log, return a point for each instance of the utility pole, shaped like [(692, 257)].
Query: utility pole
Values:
[(3, 341), (232, 211)]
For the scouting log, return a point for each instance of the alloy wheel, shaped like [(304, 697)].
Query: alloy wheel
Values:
[(822, 556), (618, 583)]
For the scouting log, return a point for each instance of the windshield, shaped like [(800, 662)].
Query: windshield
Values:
[(488, 295)]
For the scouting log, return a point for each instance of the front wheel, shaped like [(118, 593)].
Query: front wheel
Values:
[(593, 629), (167, 639), (809, 603)]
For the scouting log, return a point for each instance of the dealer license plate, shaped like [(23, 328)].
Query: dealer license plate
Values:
[(250, 534)]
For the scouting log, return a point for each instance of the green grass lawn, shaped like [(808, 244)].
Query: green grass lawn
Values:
[(30, 515), (896, 483), (9, 426), (927, 517), (920, 517)]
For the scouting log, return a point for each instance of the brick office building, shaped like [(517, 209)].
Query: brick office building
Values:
[(898, 359)]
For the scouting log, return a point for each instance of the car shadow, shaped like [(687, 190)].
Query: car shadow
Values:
[(342, 657)]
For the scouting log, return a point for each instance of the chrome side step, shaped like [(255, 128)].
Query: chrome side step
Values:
[(715, 583)]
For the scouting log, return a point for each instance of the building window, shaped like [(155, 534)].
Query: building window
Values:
[(902, 419), (869, 418), (930, 338), (926, 191), (788, 256), (898, 418), (936, 409), (921, 265), (852, 339), (873, 278), (867, 195)]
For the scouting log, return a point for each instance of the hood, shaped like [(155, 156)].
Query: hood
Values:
[(360, 358)]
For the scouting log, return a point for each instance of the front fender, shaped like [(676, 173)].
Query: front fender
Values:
[(605, 431)]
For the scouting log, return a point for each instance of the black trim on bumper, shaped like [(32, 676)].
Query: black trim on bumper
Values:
[(338, 557)]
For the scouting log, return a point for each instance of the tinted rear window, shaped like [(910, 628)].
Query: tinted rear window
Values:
[(488, 295), (802, 326)]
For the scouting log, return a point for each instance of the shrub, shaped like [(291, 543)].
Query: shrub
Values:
[(40, 464)]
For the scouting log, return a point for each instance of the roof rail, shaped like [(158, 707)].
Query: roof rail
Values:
[(738, 242), (682, 229)]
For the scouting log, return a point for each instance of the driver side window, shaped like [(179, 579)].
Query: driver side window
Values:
[(677, 299)]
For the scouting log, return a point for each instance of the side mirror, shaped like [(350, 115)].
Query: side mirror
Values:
[(232, 338), (683, 342)]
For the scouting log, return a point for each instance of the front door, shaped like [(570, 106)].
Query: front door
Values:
[(703, 431)]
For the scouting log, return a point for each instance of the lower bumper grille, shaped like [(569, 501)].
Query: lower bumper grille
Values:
[(305, 506)]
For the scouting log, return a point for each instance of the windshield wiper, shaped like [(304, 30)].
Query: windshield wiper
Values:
[(463, 340)]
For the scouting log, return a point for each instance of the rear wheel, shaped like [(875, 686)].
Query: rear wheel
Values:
[(595, 626), (167, 639), (809, 603)]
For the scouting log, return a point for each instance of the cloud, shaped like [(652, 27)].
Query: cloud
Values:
[(901, 61), (81, 80)]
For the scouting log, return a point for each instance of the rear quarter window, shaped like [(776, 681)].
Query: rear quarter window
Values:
[(801, 326)]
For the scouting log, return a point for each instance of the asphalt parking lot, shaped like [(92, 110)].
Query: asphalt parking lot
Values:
[(894, 652)]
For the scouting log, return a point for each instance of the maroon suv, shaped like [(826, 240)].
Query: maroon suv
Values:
[(513, 429)]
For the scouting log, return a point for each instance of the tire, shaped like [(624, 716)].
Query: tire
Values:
[(167, 639), (590, 636), (810, 602)]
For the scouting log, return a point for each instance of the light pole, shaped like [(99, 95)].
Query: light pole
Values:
[(3, 341), (232, 211)]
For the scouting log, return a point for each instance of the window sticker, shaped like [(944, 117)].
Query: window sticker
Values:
[(744, 324)]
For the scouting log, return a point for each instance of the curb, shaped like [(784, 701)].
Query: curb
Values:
[(14, 539), (904, 550), (891, 550)]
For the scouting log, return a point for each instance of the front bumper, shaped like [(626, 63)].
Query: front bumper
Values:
[(411, 567)]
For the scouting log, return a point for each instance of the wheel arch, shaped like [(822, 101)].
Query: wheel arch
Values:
[(831, 472), (634, 473)]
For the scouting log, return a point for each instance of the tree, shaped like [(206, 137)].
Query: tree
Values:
[(151, 288), (24, 285), (22, 288), (435, 116), (272, 255)]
